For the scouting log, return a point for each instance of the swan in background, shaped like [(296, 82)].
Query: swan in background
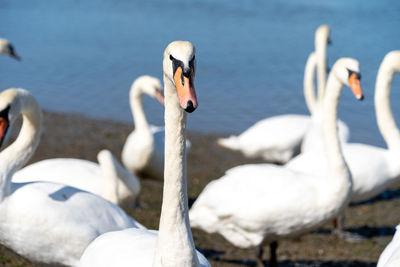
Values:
[(279, 138), (373, 169), (107, 179), (390, 257), (6, 48), (173, 244), (42, 221), (143, 151), (257, 204)]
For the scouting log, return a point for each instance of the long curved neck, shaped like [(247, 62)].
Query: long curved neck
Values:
[(308, 83), (386, 123), (20, 151), (139, 117), (336, 163), (175, 246), (320, 50)]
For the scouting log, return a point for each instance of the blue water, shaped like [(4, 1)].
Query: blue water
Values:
[(82, 56)]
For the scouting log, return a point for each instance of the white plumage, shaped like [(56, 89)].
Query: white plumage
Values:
[(279, 138), (390, 257), (45, 222), (173, 244), (107, 179), (261, 203)]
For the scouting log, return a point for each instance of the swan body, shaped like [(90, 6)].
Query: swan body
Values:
[(173, 244), (143, 151), (262, 203), (390, 257), (133, 243), (373, 168), (107, 179), (279, 138), (42, 221)]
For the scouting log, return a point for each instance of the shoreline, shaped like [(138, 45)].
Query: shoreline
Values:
[(76, 136)]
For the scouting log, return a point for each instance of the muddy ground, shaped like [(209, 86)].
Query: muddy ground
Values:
[(68, 135)]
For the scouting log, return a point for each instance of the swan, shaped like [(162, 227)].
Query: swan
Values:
[(107, 179), (270, 138), (373, 169), (143, 151), (6, 48), (42, 221), (173, 244), (390, 256), (262, 203)]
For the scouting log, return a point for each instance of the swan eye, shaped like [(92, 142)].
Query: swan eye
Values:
[(4, 113), (171, 58), (358, 75)]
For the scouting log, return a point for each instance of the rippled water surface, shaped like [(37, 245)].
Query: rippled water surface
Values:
[(82, 56)]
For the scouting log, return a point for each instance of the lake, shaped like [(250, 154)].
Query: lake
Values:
[(82, 56)]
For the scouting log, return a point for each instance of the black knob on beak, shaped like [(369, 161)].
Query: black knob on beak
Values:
[(189, 107)]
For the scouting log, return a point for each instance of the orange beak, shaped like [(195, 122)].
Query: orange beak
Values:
[(3, 129), (185, 88), (355, 86), (160, 97)]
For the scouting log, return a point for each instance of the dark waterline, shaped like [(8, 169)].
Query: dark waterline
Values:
[(82, 56)]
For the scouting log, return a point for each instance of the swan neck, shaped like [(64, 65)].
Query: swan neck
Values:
[(336, 162), (139, 117), (386, 123), (308, 83), (320, 50), (21, 150), (175, 246)]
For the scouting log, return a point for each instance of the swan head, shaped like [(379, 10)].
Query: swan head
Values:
[(322, 35), (392, 60), (347, 70), (179, 65), (6, 48), (9, 106), (150, 86), (13, 103)]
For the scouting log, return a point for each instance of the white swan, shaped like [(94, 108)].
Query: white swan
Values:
[(6, 48), (279, 138), (173, 244), (262, 203), (373, 168), (143, 151), (42, 221), (107, 179), (390, 257)]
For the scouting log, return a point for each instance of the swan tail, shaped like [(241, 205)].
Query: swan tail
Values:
[(232, 142), (116, 171)]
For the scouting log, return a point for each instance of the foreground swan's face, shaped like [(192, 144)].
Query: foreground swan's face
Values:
[(7, 49), (348, 72), (179, 67)]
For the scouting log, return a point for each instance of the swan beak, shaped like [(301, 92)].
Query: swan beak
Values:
[(3, 129), (13, 54), (355, 86), (185, 88), (160, 97)]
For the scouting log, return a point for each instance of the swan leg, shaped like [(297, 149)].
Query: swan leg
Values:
[(259, 255), (273, 262), (344, 235)]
